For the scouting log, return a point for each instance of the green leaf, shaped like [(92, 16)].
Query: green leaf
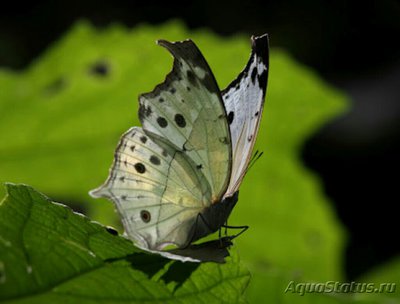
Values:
[(49, 254)]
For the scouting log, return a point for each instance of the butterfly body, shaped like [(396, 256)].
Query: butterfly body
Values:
[(176, 179), (212, 218)]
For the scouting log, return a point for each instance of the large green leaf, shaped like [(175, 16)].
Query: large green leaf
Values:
[(48, 254), (62, 120)]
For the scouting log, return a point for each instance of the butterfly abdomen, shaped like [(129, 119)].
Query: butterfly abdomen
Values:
[(214, 216)]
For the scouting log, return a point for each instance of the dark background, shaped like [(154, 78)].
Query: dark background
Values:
[(352, 44)]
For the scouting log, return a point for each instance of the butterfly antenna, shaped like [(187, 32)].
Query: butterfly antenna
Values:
[(254, 159), (254, 156)]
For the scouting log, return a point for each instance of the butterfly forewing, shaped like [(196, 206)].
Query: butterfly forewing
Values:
[(154, 186), (244, 101), (186, 111)]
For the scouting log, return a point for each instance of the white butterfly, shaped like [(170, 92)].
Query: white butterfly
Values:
[(176, 179)]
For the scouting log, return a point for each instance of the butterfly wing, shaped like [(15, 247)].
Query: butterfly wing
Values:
[(244, 102), (186, 111), (157, 190), (172, 170)]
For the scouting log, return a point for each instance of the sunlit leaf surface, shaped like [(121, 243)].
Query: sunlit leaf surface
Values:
[(48, 254)]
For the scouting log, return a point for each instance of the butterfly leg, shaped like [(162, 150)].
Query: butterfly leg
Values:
[(220, 232), (244, 228), (220, 238)]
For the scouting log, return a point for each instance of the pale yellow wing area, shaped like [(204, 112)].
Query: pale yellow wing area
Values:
[(158, 191), (186, 111)]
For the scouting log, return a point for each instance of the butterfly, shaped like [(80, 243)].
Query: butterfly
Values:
[(176, 179)]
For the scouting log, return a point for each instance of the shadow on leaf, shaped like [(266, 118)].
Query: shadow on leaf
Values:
[(178, 273)]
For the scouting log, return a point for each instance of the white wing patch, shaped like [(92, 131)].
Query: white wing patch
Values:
[(157, 192), (244, 101), (186, 111)]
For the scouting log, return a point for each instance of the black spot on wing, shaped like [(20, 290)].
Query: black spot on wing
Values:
[(140, 168), (143, 139), (262, 81), (253, 75), (192, 78), (161, 100), (180, 120), (164, 153), (154, 160), (237, 86), (230, 117), (162, 122), (144, 111), (145, 216), (148, 111)]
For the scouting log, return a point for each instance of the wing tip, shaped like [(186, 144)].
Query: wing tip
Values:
[(259, 49), (99, 192), (184, 51), (163, 42), (260, 46), (170, 45)]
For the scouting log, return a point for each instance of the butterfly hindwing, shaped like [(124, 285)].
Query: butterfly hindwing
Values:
[(187, 112), (157, 191), (244, 101)]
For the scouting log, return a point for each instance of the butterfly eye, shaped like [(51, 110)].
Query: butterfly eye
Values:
[(145, 216)]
